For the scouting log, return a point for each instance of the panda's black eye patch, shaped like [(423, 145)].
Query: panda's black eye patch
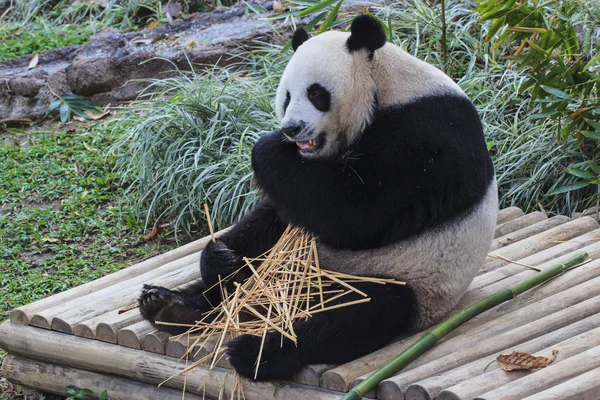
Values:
[(319, 97), (286, 103)]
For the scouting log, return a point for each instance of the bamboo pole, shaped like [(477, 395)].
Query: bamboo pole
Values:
[(509, 213), (519, 223), (525, 232), (441, 330)]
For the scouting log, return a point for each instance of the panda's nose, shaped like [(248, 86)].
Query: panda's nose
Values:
[(292, 129)]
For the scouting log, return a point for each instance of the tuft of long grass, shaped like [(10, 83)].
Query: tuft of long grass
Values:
[(189, 141)]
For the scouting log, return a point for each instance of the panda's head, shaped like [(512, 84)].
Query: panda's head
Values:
[(327, 94)]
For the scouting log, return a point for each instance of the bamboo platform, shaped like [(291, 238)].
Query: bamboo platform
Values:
[(78, 338)]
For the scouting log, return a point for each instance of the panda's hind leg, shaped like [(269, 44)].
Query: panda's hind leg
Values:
[(332, 337)]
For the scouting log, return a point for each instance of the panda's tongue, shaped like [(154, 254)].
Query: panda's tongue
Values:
[(308, 144)]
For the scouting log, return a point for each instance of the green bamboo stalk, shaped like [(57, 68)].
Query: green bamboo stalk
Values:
[(447, 326)]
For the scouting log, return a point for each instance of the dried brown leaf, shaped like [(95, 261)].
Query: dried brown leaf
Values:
[(34, 62), (520, 361), (153, 24), (152, 234), (277, 7)]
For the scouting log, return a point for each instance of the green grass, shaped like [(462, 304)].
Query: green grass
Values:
[(62, 222), (17, 39)]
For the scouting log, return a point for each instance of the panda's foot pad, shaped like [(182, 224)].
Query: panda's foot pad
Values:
[(153, 299)]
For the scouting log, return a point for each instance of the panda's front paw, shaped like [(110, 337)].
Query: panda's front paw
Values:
[(154, 299), (276, 361), (218, 260)]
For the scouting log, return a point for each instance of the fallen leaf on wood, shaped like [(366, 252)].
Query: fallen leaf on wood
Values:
[(520, 361), (93, 116), (34, 62), (129, 307), (151, 235)]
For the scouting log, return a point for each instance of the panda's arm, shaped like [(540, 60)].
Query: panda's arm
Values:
[(330, 199)]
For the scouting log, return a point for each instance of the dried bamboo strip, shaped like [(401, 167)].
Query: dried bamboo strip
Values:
[(471, 332), (583, 387), (539, 242), (66, 321), (547, 377), (395, 387), (551, 253), (52, 378), (466, 381), (508, 214), (525, 232), (142, 366), (133, 335), (43, 318), (22, 315), (519, 223), (311, 375), (155, 342), (593, 251)]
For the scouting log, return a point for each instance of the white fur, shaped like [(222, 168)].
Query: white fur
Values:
[(438, 264)]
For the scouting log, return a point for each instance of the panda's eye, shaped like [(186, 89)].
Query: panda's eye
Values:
[(286, 103), (319, 97)]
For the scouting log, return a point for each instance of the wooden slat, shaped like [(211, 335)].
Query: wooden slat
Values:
[(107, 331), (583, 387), (536, 259), (508, 214), (22, 315), (547, 377), (539, 242), (395, 387), (133, 335), (531, 230), (155, 342), (519, 223), (43, 318), (112, 300), (57, 379), (142, 366), (478, 376), (311, 375)]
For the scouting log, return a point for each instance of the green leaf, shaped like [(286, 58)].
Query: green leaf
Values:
[(593, 124), (568, 188), (591, 134), (331, 17), (104, 395), (556, 92), (309, 27), (316, 7), (580, 173), (65, 113), (53, 106), (15, 131)]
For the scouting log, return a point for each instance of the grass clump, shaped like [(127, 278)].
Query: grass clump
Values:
[(189, 142), (61, 219)]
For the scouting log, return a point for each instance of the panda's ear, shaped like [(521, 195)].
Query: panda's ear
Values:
[(366, 33), (300, 36)]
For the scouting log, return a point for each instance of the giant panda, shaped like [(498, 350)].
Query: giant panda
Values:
[(381, 156)]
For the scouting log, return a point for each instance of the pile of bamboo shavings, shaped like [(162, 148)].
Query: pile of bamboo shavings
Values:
[(289, 285)]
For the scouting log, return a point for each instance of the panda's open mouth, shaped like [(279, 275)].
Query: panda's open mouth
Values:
[(310, 146)]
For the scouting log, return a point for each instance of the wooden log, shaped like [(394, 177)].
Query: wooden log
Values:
[(508, 214), (107, 331), (547, 377), (478, 376), (473, 295), (582, 387), (593, 212), (133, 335), (177, 348), (57, 379), (155, 342), (539, 242), (22, 315), (519, 223), (535, 259), (142, 366), (43, 318), (395, 387), (311, 375), (525, 232), (66, 321)]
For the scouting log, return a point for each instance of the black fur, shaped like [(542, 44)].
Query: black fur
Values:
[(415, 167), (366, 32), (300, 36)]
